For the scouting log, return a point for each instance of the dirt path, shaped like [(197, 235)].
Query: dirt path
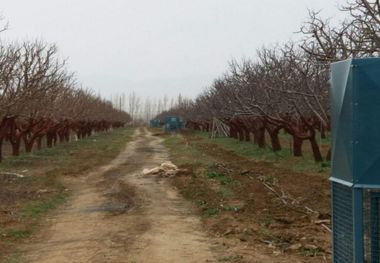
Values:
[(116, 215)]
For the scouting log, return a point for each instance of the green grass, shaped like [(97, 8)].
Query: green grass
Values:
[(311, 252), (63, 155), (15, 234), (213, 211), (43, 170), (305, 163), (35, 209), (181, 153), (232, 208), (14, 258), (201, 202), (226, 193), (205, 167), (243, 148), (219, 177)]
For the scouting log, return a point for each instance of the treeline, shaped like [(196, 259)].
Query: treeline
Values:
[(40, 100), (286, 87), (143, 110)]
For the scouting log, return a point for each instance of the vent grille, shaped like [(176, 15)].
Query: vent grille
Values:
[(342, 223)]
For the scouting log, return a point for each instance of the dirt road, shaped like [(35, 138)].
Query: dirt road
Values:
[(117, 215)]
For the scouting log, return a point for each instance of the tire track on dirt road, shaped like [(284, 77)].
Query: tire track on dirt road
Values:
[(117, 215)]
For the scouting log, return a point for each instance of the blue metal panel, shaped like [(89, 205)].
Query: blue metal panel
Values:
[(154, 123), (355, 113), (173, 124), (341, 116), (367, 121)]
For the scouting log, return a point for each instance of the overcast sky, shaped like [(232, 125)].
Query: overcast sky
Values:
[(156, 47)]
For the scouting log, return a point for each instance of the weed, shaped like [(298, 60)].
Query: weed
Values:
[(231, 208), (269, 179), (43, 169), (226, 193), (14, 258), (211, 211), (201, 202), (96, 150), (220, 177), (311, 252), (15, 234), (182, 153), (36, 208), (266, 220)]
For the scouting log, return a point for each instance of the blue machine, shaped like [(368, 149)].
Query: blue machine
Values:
[(173, 124), (355, 112), (154, 123)]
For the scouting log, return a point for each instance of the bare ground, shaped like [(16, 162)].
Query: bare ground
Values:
[(259, 208), (116, 215)]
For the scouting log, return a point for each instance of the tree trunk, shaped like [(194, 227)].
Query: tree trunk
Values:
[(54, 139), (29, 146), (275, 140), (67, 136), (247, 136), (260, 137), (323, 132), (241, 134), (315, 147), (297, 146), (1, 149), (16, 147), (233, 133), (255, 137), (61, 137), (328, 156), (49, 140), (39, 142)]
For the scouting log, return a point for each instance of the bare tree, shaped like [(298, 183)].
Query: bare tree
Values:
[(358, 35), (39, 98), (134, 104)]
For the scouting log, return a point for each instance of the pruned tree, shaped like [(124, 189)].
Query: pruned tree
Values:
[(40, 99)]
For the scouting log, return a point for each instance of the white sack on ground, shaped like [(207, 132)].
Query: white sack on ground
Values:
[(166, 169)]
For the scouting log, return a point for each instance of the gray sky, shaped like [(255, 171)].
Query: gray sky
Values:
[(156, 47)]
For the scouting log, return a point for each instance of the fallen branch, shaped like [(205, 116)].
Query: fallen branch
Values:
[(326, 227), (283, 198), (12, 174)]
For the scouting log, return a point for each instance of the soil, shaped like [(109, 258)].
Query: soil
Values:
[(115, 214), (282, 223)]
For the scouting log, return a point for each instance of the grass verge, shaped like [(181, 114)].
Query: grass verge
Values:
[(25, 200), (282, 159)]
